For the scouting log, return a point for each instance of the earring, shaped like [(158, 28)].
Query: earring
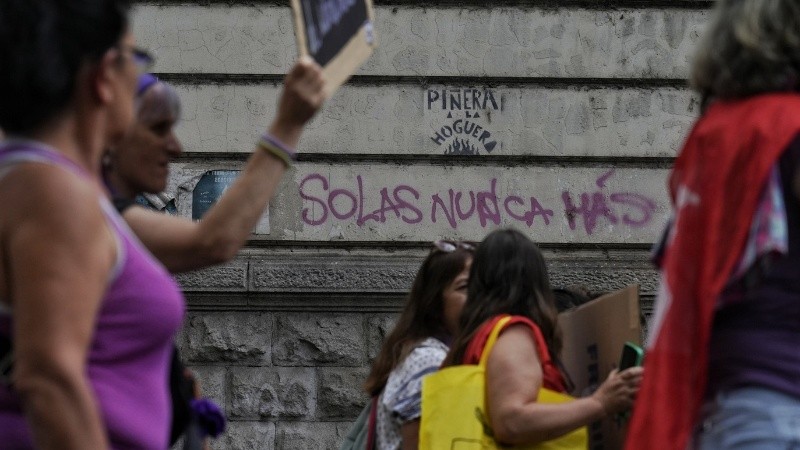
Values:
[(105, 161)]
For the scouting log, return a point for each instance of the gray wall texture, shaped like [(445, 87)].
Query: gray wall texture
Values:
[(558, 118)]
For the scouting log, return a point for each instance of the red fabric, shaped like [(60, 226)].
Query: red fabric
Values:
[(373, 417), (715, 186), (552, 377)]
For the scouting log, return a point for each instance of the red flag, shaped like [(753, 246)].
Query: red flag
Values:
[(715, 186)]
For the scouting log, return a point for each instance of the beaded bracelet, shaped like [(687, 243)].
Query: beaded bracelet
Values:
[(277, 148), (276, 152)]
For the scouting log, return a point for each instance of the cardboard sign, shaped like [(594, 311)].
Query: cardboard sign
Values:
[(594, 334), (337, 34)]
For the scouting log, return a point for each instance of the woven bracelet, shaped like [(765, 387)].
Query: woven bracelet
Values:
[(292, 153), (275, 151)]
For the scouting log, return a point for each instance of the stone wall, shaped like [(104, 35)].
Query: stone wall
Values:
[(558, 118)]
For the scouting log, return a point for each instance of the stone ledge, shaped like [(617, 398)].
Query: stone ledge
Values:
[(387, 119), (436, 41), (364, 202), (230, 277), (383, 279), (317, 303)]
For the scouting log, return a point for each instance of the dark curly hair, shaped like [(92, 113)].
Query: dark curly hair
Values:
[(43, 45)]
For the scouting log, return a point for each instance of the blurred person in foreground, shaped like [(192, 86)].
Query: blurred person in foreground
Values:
[(89, 313), (509, 278), (722, 366)]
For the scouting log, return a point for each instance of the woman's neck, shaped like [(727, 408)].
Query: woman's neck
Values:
[(78, 142), (116, 186)]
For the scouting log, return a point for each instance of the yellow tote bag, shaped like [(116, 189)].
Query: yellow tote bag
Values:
[(454, 409)]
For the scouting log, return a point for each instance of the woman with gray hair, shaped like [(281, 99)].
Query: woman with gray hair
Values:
[(140, 164), (722, 368)]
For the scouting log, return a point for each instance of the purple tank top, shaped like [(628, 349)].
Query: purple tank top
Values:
[(754, 342), (128, 363)]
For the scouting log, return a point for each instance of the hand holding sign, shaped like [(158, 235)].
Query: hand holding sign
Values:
[(337, 34), (303, 95)]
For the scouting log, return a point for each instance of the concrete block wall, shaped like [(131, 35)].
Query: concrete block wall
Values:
[(558, 118)]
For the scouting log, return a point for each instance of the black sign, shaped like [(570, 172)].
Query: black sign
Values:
[(330, 24), (209, 189)]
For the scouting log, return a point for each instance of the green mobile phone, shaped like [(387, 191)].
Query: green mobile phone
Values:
[(632, 355)]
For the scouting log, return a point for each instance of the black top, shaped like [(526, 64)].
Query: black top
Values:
[(122, 203)]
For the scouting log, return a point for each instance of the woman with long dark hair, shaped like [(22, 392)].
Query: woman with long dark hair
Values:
[(418, 343), (509, 278), (90, 315)]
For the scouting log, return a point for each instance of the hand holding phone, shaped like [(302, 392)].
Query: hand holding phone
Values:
[(632, 355)]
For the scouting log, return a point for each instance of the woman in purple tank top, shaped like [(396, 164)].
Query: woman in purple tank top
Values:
[(90, 342)]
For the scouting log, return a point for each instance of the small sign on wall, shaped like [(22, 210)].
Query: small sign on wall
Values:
[(211, 186), (338, 34), (460, 119)]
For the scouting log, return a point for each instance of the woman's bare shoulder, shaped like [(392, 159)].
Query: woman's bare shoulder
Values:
[(36, 185)]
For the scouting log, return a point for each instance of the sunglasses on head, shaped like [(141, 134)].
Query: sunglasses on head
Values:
[(451, 246)]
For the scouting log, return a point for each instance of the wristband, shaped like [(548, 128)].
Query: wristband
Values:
[(210, 416), (276, 152), (292, 153)]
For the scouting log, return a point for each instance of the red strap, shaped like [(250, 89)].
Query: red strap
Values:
[(552, 377), (373, 414)]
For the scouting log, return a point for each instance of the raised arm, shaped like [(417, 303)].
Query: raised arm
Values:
[(58, 259), (185, 245), (514, 377)]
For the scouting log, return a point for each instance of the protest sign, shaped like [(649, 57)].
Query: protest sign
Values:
[(337, 34), (594, 334)]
